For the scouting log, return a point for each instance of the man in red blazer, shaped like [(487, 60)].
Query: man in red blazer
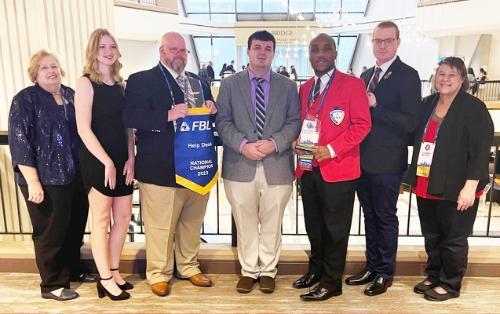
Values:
[(339, 105)]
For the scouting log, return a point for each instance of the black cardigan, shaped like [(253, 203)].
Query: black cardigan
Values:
[(462, 146)]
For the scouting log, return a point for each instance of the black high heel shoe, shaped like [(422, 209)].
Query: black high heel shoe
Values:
[(102, 292), (124, 286)]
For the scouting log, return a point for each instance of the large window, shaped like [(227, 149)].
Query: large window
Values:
[(219, 50), (256, 10), (298, 56)]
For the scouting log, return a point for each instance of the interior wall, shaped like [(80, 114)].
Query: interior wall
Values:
[(59, 26)]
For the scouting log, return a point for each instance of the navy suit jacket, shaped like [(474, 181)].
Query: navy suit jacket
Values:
[(394, 119), (147, 102)]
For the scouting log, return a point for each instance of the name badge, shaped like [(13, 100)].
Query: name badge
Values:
[(309, 134), (424, 160)]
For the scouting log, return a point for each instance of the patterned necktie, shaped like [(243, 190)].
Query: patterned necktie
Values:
[(183, 83), (317, 88), (260, 107), (374, 80)]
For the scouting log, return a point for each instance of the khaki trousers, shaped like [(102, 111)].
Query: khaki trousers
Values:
[(171, 215), (258, 213)]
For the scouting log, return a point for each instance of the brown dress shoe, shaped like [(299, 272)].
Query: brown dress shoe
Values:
[(160, 288), (246, 284), (267, 284), (200, 280)]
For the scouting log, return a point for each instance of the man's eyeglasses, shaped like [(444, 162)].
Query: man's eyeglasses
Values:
[(380, 42), (175, 51)]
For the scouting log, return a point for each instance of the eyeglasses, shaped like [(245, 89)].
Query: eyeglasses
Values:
[(387, 41), (175, 51)]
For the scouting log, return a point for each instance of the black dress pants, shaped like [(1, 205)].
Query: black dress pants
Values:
[(378, 195), (58, 227), (328, 215), (445, 230)]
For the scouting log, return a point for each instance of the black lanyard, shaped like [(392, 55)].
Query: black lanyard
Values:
[(325, 91)]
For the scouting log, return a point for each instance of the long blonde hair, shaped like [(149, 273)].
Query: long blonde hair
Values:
[(91, 66)]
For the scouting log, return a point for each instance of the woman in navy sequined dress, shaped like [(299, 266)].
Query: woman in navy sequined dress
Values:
[(44, 145), (107, 159)]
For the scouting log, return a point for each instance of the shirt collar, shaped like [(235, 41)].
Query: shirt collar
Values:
[(325, 77), (386, 65), (266, 77), (172, 72)]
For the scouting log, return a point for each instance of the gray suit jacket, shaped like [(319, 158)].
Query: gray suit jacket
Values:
[(236, 122)]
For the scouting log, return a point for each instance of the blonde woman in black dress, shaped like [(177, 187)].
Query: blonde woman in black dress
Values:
[(107, 159)]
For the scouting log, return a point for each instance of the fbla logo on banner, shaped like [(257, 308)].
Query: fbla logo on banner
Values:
[(195, 153), (185, 127), (196, 125)]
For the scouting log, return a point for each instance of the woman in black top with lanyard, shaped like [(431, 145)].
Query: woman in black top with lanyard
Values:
[(107, 159), (448, 172)]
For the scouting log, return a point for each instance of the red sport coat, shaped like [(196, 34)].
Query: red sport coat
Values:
[(347, 94)]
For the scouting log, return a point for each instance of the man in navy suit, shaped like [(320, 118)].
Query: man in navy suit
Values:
[(155, 99), (394, 96)]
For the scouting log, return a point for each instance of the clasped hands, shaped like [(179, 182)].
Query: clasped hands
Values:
[(181, 110), (258, 150)]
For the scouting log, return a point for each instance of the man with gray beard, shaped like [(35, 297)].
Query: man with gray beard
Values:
[(155, 99)]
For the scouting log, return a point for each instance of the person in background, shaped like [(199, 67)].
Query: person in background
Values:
[(107, 159), (282, 70), (47, 171), (210, 72), (293, 73), (223, 70), (471, 77), (231, 67), (483, 76), (203, 73), (448, 173)]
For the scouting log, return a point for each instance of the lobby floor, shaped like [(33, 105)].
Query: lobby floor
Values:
[(19, 293)]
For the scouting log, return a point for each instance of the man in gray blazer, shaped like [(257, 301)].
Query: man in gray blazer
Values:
[(258, 118)]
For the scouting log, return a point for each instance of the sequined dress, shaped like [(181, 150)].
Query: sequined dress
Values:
[(107, 126)]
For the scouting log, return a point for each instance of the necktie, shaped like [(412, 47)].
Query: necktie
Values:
[(317, 88), (183, 83), (374, 80), (260, 107)]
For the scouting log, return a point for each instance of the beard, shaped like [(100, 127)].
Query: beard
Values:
[(178, 65)]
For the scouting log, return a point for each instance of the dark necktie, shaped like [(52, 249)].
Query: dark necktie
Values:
[(260, 107), (317, 88), (374, 80)]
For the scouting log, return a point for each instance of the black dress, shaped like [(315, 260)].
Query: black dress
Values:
[(108, 127)]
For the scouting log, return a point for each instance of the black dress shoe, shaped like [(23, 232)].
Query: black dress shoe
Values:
[(362, 278), (306, 281), (84, 277), (432, 295), (378, 286), (421, 287), (320, 294), (64, 295)]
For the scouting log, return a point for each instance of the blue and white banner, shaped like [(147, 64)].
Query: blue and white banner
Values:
[(195, 152)]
